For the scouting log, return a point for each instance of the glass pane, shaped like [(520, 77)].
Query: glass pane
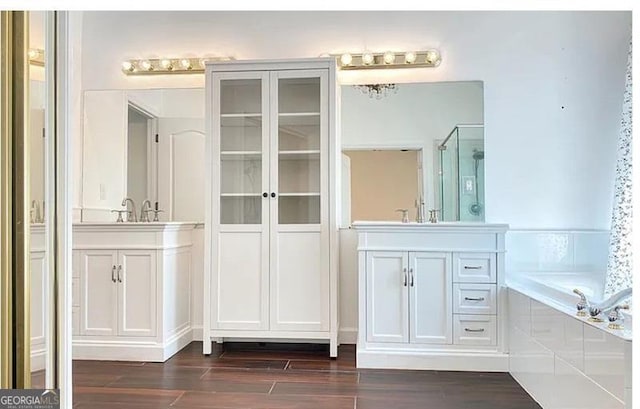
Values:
[(240, 96), (298, 95), (299, 209), (241, 209), (471, 170), (299, 132), (449, 180), (241, 152), (241, 134), (299, 173), (241, 173)]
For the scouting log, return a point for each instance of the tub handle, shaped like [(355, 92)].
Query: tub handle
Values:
[(474, 330), (474, 299)]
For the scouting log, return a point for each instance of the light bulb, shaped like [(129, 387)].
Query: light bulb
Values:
[(410, 57), (33, 53), (432, 56), (367, 58), (146, 65), (166, 64), (389, 57), (345, 59), (127, 66), (185, 64)]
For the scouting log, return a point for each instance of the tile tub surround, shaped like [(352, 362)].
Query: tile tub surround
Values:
[(564, 362), (583, 251)]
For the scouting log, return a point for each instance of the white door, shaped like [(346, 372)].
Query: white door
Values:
[(387, 296), (299, 210), (137, 293), (240, 189), (430, 288), (99, 292)]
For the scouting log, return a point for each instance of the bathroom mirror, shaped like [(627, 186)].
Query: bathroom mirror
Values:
[(36, 149), (145, 145), (406, 143)]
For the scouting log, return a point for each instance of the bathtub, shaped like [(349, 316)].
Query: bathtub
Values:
[(556, 290), (565, 361)]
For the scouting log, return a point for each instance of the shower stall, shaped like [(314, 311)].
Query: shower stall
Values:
[(461, 174)]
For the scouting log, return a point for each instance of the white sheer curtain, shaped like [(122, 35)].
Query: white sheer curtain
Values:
[(620, 265)]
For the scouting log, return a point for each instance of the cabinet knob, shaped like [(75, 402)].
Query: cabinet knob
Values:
[(265, 194), (273, 194)]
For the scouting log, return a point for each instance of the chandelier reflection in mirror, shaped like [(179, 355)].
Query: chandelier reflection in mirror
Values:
[(377, 91)]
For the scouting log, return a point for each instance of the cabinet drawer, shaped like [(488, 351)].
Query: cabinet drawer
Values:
[(474, 267), (474, 298), (474, 329)]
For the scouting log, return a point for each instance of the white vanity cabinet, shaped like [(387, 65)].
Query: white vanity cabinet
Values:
[(118, 292), (408, 297), (429, 296), (132, 297), (271, 225)]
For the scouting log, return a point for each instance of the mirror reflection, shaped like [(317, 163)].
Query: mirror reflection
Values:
[(413, 147), (151, 170)]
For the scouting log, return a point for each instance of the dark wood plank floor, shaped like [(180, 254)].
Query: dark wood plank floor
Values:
[(280, 376)]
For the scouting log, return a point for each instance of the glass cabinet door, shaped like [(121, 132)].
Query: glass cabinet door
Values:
[(298, 139), (243, 142)]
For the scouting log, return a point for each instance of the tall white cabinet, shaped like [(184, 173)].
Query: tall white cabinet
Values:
[(270, 223)]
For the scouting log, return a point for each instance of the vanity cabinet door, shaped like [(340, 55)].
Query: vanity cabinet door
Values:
[(430, 288), (387, 296), (99, 292), (137, 283)]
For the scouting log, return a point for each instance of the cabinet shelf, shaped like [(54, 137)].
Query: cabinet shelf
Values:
[(240, 194), (299, 155), (240, 155), (244, 115), (291, 114), (300, 194)]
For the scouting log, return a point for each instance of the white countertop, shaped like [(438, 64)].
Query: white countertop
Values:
[(395, 225)]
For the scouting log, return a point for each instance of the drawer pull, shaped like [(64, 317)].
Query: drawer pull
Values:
[(113, 274), (474, 299), (472, 267), (474, 330), (404, 271)]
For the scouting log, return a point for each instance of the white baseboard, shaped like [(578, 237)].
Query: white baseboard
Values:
[(348, 336), (113, 350), (440, 361), (38, 359)]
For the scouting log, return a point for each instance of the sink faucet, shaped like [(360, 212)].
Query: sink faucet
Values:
[(35, 212), (131, 217), (144, 211)]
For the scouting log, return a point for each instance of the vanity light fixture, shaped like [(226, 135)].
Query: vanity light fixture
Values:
[(36, 56), (390, 59), (155, 66)]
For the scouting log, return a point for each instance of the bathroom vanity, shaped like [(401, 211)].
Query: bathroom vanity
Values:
[(131, 290), (431, 296)]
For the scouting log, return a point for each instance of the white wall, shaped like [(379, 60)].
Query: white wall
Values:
[(553, 86)]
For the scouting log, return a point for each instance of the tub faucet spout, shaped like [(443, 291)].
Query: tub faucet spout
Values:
[(583, 304), (610, 303)]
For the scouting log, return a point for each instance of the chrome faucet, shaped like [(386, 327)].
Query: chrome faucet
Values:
[(35, 212), (144, 211), (131, 217), (582, 305), (609, 303)]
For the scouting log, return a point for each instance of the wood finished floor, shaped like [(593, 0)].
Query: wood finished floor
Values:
[(277, 376)]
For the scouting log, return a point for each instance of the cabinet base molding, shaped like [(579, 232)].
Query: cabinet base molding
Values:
[(140, 351), (38, 359), (433, 360)]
